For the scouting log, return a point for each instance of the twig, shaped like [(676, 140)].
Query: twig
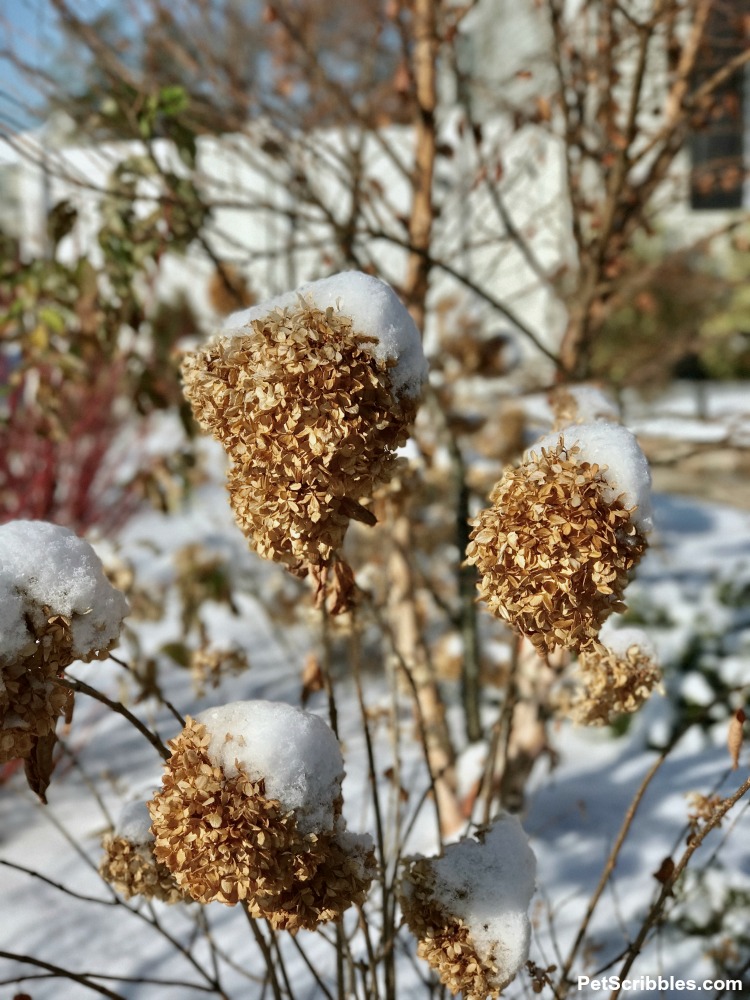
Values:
[(59, 885), (311, 968), (58, 971), (669, 882), (388, 911), (82, 688), (167, 704), (562, 988), (272, 978), (327, 667)]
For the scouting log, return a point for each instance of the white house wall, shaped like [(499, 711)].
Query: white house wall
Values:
[(279, 241)]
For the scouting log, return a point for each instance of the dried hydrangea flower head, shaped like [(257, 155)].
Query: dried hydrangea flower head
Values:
[(129, 864), (250, 811), (310, 394), (613, 676), (563, 532), (56, 606), (469, 909)]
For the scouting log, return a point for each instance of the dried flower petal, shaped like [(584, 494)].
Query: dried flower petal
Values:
[(30, 700), (734, 737)]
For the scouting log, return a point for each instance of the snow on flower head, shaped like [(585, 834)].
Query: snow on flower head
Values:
[(469, 909), (56, 606), (310, 394), (375, 312), (564, 530), (294, 752), (46, 566), (622, 464), (250, 811)]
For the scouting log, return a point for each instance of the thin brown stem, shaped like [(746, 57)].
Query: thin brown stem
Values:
[(83, 978), (58, 885), (265, 951), (81, 687)]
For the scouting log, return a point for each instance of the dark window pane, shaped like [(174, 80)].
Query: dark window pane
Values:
[(717, 144)]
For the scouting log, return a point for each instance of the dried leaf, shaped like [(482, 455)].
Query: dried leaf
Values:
[(734, 737), (312, 678), (664, 871), (39, 765)]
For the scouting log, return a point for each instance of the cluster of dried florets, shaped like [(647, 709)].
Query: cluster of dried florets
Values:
[(468, 909), (133, 870), (56, 606), (310, 395), (250, 811), (613, 679), (565, 529), (30, 699), (129, 864)]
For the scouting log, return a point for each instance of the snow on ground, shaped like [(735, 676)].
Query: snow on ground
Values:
[(692, 595)]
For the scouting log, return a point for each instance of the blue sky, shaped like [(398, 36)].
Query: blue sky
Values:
[(27, 27)]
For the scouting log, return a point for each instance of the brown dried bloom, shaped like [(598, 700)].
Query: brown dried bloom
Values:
[(133, 870), (31, 701), (468, 909), (224, 840), (702, 809), (610, 683), (310, 419), (555, 548)]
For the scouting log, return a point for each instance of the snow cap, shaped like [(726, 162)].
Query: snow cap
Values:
[(134, 823), (47, 566), (620, 640), (293, 751), (488, 884), (375, 311), (623, 465)]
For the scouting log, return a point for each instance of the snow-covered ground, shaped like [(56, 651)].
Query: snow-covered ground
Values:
[(691, 594)]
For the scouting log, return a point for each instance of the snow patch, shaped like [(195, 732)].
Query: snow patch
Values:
[(620, 640)]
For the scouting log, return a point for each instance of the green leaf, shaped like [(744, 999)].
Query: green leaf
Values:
[(172, 100), (52, 319)]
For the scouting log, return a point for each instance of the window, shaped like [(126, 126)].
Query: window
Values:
[(717, 145)]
